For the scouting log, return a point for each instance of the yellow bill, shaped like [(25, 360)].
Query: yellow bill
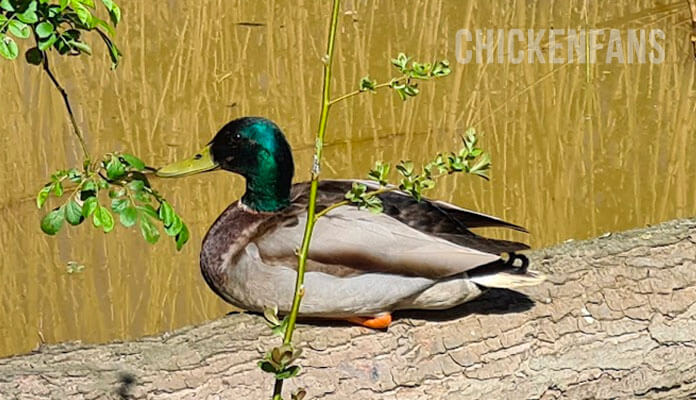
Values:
[(200, 162)]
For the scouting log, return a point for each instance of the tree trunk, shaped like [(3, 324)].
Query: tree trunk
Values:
[(616, 319)]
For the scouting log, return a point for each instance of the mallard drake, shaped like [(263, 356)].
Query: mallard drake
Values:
[(361, 266)]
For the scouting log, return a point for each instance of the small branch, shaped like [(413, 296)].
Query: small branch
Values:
[(63, 93), (331, 207), (357, 92), (346, 202)]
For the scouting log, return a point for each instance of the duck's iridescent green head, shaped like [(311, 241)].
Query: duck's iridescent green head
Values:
[(254, 148)]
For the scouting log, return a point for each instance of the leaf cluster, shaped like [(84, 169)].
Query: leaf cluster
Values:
[(469, 159), (131, 198), (279, 361), (413, 71), (365, 200), (55, 24)]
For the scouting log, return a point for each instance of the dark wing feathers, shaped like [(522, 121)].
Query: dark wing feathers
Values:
[(441, 219)]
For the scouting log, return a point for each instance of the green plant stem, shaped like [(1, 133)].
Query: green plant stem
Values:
[(346, 202), (2, 28), (357, 92), (311, 208), (63, 93)]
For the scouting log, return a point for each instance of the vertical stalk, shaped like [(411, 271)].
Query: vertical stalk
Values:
[(692, 8), (311, 207)]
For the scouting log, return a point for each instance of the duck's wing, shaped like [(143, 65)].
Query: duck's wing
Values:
[(444, 220), (349, 241)]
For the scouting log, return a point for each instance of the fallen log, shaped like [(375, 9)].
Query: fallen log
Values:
[(616, 319)]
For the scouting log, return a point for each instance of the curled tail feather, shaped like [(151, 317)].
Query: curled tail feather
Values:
[(506, 274)]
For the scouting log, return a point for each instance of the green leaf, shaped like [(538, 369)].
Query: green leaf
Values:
[(420, 71), (58, 189), (149, 210), (166, 213), (143, 196), (380, 173), (442, 68), (400, 62), (19, 29), (175, 227), (73, 213), (48, 42), (115, 14), (405, 168), (133, 161), (89, 206), (43, 195), (53, 221), (289, 372), (63, 4), (98, 22), (29, 15), (44, 29), (114, 52), (267, 366), (128, 217), (103, 218), (82, 13), (367, 84), (119, 205), (115, 169), (109, 4), (411, 90), (89, 189), (427, 184), (81, 46), (149, 231), (373, 204), (271, 315), (6, 5), (281, 327), (470, 139), (481, 167), (119, 192), (182, 237), (8, 47), (356, 192), (136, 185), (74, 175)]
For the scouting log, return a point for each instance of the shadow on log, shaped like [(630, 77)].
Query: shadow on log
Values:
[(616, 319)]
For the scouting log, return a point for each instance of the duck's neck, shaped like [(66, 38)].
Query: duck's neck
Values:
[(268, 185)]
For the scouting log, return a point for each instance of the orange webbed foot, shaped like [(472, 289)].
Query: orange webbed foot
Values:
[(381, 322)]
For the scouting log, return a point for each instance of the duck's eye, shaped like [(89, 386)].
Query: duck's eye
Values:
[(197, 156)]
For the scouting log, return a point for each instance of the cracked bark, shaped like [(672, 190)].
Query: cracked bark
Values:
[(616, 319)]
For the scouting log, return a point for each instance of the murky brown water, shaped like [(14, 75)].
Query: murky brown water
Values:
[(577, 152)]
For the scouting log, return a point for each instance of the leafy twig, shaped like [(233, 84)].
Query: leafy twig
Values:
[(362, 89)]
